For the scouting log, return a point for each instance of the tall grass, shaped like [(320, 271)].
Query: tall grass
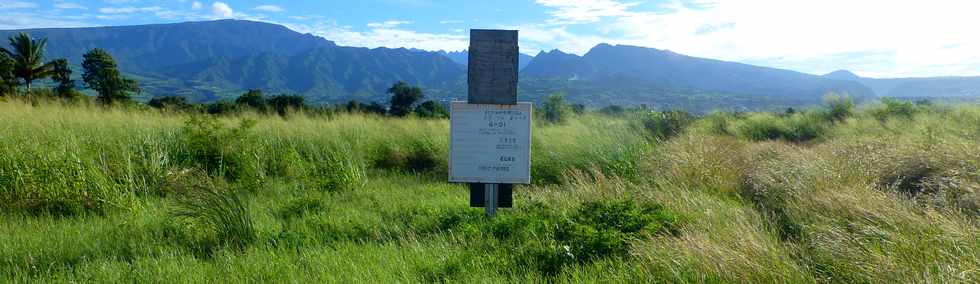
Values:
[(878, 194)]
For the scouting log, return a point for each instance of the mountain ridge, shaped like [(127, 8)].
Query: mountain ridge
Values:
[(215, 60)]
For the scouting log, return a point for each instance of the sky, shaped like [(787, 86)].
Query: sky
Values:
[(873, 38)]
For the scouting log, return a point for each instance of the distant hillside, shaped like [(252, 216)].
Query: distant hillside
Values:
[(662, 72), (938, 87), (214, 60), (211, 60), (462, 57)]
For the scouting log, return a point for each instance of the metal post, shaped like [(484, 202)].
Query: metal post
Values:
[(491, 190)]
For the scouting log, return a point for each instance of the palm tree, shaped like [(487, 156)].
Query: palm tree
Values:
[(28, 56)]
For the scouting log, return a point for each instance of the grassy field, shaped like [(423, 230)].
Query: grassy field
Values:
[(889, 193)]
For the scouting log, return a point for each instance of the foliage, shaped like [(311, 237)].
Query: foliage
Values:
[(61, 73), (216, 149), (605, 228), (666, 124), (432, 109), (8, 81), (798, 127), (28, 57), (612, 110), (838, 108), (285, 103), (403, 98), (894, 108), (170, 103), (253, 99), (102, 75), (554, 109), (374, 108)]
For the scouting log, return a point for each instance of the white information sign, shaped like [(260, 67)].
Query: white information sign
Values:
[(490, 143)]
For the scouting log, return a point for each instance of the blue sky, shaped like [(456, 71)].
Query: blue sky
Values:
[(880, 38)]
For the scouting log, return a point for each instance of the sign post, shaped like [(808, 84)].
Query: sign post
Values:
[(491, 133)]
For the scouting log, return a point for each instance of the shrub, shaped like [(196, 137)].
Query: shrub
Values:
[(554, 109), (894, 108), (717, 123), (432, 109), (838, 108), (215, 148), (170, 102), (667, 124), (801, 127), (760, 128), (284, 103), (213, 213), (223, 107), (604, 228), (252, 99), (612, 110)]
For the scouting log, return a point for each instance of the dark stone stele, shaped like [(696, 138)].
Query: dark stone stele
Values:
[(492, 74), (492, 79)]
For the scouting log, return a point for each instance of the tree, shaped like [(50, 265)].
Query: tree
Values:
[(403, 98), (8, 82), (555, 109), (170, 102), (61, 73), (28, 57), (253, 99), (102, 75), (431, 109), (281, 103)]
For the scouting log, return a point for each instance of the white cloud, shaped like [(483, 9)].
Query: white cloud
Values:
[(69, 6), (584, 11), (128, 10), (906, 38), (221, 10), (269, 8), (388, 24), (450, 22), (10, 5), (196, 5), (11, 21), (385, 34)]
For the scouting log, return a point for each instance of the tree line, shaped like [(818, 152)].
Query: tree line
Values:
[(404, 101), (23, 63)]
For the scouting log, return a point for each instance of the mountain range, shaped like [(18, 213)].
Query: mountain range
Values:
[(216, 60), (930, 87)]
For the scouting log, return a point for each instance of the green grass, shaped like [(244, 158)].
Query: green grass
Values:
[(884, 194)]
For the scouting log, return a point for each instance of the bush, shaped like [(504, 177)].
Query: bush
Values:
[(252, 99), (801, 127), (667, 124), (604, 228), (554, 109), (214, 214), (838, 108), (214, 148), (613, 110), (894, 108), (170, 103), (432, 109), (284, 103)]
